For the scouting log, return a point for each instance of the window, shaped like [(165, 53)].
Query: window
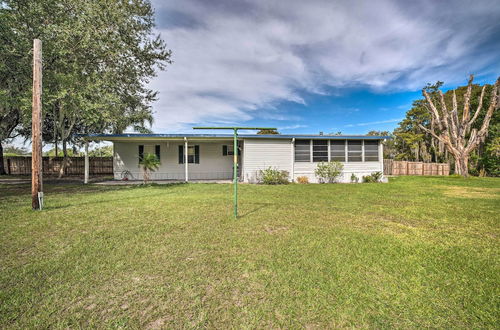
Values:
[(227, 150), (157, 151), (193, 154), (371, 151), (302, 150), (141, 152), (320, 151), (337, 150), (354, 151)]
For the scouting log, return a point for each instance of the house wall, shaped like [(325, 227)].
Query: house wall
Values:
[(213, 165), (259, 154), (262, 153)]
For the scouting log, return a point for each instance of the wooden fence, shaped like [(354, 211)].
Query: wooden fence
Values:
[(394, 167), (52, 165)]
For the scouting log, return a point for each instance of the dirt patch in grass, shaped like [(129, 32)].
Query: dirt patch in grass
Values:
[(471, 192), (272, 230)]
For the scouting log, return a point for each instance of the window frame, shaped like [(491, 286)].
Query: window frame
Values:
[(355, 153), (370, 155), (343, 144), (306, 150), (318, 156), (192, 159)]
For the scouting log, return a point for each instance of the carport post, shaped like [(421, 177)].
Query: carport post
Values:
[(86, 174)]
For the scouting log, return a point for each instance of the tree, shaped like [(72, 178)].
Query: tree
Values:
[(13, 82), (16, 151), (389, 144), (458, 135), (268, 131), (149, 163), (98, 59), (104, 151)]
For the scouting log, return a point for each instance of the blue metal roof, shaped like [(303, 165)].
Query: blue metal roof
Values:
[(243, 136)]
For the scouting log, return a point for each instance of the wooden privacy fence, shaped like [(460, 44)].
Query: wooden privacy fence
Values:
[(394, 167), (52, 165)]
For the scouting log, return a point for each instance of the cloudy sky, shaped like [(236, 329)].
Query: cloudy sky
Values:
[(316, 65)]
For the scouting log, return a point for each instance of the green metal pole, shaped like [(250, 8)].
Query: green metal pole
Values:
[(235, 172)]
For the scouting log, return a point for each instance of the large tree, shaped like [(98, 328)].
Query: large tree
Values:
[(458, 132), (98, 57)]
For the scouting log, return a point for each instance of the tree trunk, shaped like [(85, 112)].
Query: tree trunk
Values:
[(2, 168), (462, 165), (65, 160)]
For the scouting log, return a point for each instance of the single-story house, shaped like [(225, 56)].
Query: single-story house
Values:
[(210, 156)]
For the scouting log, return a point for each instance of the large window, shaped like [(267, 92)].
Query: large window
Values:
[(302, 150), (337, 150), (320, 150), (354, 151), (193, 154), (371, 151)]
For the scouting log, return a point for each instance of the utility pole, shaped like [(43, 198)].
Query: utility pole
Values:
[(36, 129), (235, 158)]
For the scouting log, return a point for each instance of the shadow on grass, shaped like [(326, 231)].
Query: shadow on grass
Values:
[(7, 191), (108, 200), (259, 207)]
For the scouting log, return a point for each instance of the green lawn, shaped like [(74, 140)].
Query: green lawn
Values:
[(416, 252)]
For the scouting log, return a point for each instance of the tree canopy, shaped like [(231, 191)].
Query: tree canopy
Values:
[(413, 143), (98, 57)]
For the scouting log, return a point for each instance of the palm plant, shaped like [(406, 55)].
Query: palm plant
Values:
[(149, 163)]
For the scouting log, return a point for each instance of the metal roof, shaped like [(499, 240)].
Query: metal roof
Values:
[(228, 136)]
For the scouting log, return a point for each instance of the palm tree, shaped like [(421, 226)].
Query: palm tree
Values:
[(149, 163)]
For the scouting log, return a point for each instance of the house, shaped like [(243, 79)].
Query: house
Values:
[(189, 157)]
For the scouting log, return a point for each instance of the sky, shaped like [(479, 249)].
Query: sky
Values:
[(318, 65)]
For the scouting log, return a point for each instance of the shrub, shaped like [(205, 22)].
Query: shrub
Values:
[(374, 177), (328, 172), (149, 163), (303, 179), (273, 176), (354, 178)]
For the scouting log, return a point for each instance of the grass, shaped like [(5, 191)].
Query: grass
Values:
[(416, 252)]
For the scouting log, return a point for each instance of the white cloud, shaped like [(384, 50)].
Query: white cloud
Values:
[(371, 123), (236, 60)]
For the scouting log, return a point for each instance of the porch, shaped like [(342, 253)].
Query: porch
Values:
[(181, 159)]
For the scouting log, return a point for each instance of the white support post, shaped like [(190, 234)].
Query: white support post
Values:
[(292, 174), (346, 153), (310, 151), (186, 158), (86, 175), (363, 151), (329, 156), (381, 155)]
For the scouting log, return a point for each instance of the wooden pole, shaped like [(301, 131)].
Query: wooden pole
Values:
[(36, 129)]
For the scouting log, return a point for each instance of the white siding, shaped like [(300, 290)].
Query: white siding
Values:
[(358, 168), (259, 154), (213, 165)]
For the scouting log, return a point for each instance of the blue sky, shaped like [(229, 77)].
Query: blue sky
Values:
[(318, 65)]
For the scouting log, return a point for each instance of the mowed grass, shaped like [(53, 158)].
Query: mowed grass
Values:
[(416, 252)]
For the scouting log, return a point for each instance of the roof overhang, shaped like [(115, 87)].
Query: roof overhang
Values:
[(220, 137)]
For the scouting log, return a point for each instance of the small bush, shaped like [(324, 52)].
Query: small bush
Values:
[(303, 180), (374, 177), (328, 172), (354, 178), (273, 176)]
